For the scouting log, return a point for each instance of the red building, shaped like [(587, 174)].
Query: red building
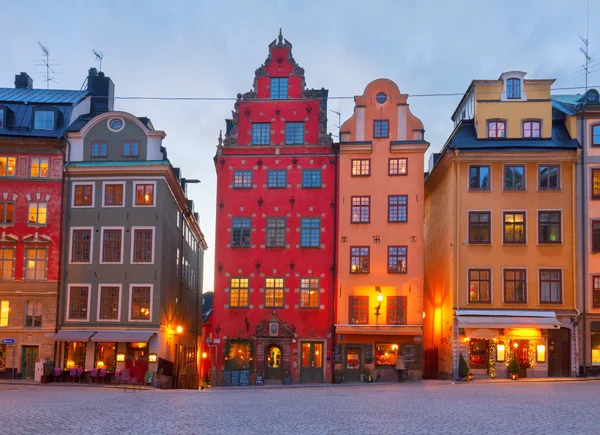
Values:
[(274, 280)]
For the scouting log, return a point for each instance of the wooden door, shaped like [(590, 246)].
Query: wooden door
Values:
[(352, 364), (28, 360), (273, 363), (311, 369), (137, 362), (559, 353)]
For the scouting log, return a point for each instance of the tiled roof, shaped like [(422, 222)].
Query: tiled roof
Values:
[(41, 96)]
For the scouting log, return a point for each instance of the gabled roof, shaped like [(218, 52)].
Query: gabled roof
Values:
[(41, 96)]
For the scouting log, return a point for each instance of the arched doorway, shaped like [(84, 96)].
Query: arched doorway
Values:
[(273, 362)]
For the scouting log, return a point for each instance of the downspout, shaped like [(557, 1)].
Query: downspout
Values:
[(456, 265), (335, 262), (584, 234), (574, 256)]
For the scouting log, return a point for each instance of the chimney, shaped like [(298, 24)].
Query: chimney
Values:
[(103, 92), (23, 81)]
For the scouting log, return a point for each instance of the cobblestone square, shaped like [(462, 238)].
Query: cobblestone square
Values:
[(427, 407)]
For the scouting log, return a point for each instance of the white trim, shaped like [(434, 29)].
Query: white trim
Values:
[(131, 286), (102, 229), (100, 285), (525, 178), (527, 298), (481, 304), (502, 228), (562, 286), (133, 242), (89, 287), (104, 184), (513, 75), (135, 184), (560, 175), (81, 183), (537, 226), (71, 245), (115, 130), (468, 241)]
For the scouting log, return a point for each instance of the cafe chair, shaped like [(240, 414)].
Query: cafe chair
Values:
[(94, 375), (72, 374), (116, 379), (102, 376), (125, 375), (79, 374), (58, 374)]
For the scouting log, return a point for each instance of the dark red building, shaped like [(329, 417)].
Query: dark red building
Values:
[(274, 280)]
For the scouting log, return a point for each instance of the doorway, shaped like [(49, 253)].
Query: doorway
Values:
[(28, 359), (137, 361), (559, 355), (273, 363), (352, 364), (478, 351), (312, 362)]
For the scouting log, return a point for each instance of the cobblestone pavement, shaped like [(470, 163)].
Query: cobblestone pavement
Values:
[(428, 407)]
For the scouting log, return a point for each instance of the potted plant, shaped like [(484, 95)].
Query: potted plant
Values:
[(513, 368), (48, 371), (287, 379), (463, 369)]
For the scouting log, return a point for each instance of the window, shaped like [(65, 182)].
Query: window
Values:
[(279, 88), (105, 356), (37, 213), (358, 307), (81, 246), (294, 133), (8, 166), (2, 113), (99, 149), (4, 313), (275, 232), (480, 227), (111, 245), (84, 195), (514, 227), (36, 264), (7, 213), (310, 233), (78, 303), (131, 148), (261, 133), (531, 129), (398, 166), (274, 293), (238, 292), (144, 194), (311, 178), (43, 120), (397, 208), (548, 177), (242, 179), (513, 89), (277, 179), (396, 310), (515, 285), (140, 303), (596, 135), (397, 259), (7, 261), (360, 209), (480, 283), (596, 236), (595, 347), (550, 286), (386, 355), (240, 232), (33, 314), (309, 292), (479, 177), (359, 259), (549, 227), (143, 245), (496, 129), (514, 177), (38, 167), (381, 129), (109, 303), (361, 167), (596, 291), (113, 194), (596, 183)]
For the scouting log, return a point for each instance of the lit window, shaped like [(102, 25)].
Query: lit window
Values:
[(514, 227), (7, 262), (496, 129), (261, 133), (294, 133), (238, 292), (359, 259), (36, 264), (131, 148), (398, 166), (397, 258), (7, 213), (279, 88), (309, 292), (140, 303), (361, 167), (531, 129), (8, 166), (39, 167), (83, 195), (44, 120), (144, 194), (4, 313), (274, 293), (381, 128), (360, 209), (479, 285), (386, 355), (513, 89), (311, 178), (37, 213), (358, 307), (396, 310), (595, 348), (99, 149)]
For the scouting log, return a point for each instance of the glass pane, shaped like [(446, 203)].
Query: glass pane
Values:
[(305, 354), (318, 358)]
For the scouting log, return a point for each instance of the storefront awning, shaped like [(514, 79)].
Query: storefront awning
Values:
[(379, 329), (507, 319), (67, 335), (119, 336)]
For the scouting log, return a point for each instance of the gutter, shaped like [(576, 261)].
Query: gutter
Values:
[(584, 231), (335, 262), (456, 266)]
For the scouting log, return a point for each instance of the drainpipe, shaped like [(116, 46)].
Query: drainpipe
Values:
[(335, 262), (574, 257), (456, 265), (584, 233)]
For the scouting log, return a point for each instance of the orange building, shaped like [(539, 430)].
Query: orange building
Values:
[(380, 254), (500, 275)]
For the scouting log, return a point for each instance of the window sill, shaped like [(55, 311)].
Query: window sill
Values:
[(477, 189), (479, 243), (550, 243), (310, 247), (515, 302), (80, 262), (359, 223), (398, 222), (479, 302), (359, 273), (514, 243), (506, 189), (30, 224), (396, 273), (549, 189), (83, 206), (241, 247)]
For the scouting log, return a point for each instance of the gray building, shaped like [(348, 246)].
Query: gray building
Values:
[(130, 300)]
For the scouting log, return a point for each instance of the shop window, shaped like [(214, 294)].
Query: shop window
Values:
[(479, 178), (548, 177), (7, 263), (480, 282), (514, 227), (361, 167), (596, 348), (478, 350), (514, 177), (358, 307), (238, 355), (520, 349), (2, 357), (238, 293), (309, 292), (106, 356), (274, 293), (480, 227), (74, 355), (398, 166), (360, 209), (549, 227), (33, 314), (386, 354), (275, 234), (8, 166), (359, 259)]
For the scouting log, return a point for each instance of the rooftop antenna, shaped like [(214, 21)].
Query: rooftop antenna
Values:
[(47, 64), (585, 68), (339, 124), (99, 56)]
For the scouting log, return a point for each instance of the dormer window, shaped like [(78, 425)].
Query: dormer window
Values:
[(44, 120), (531, 129), (496, 129), (279, 88), (99, 149), (513, 89), (2, 117)]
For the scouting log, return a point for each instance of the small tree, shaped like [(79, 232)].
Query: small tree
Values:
[(463, 368), (513, 365)]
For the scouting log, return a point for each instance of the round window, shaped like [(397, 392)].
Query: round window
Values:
[(116, 124), (381, 98)]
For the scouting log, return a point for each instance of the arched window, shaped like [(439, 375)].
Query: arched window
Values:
[(513, 89)]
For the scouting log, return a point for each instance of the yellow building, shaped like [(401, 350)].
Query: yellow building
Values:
[(500, 257)]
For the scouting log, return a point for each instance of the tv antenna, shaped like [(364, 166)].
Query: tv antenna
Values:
[(46, 62), (585, 68), (339, 124), (99, 56)]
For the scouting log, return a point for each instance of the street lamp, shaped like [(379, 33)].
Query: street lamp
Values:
[(179, 331), (378, 307)]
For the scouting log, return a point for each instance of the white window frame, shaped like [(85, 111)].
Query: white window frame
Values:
[(131, 286), (102, 229), (132, 254), (72, 230), (135, 184), (89, 287), (104, 184), (83, 183), (104, 284)]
